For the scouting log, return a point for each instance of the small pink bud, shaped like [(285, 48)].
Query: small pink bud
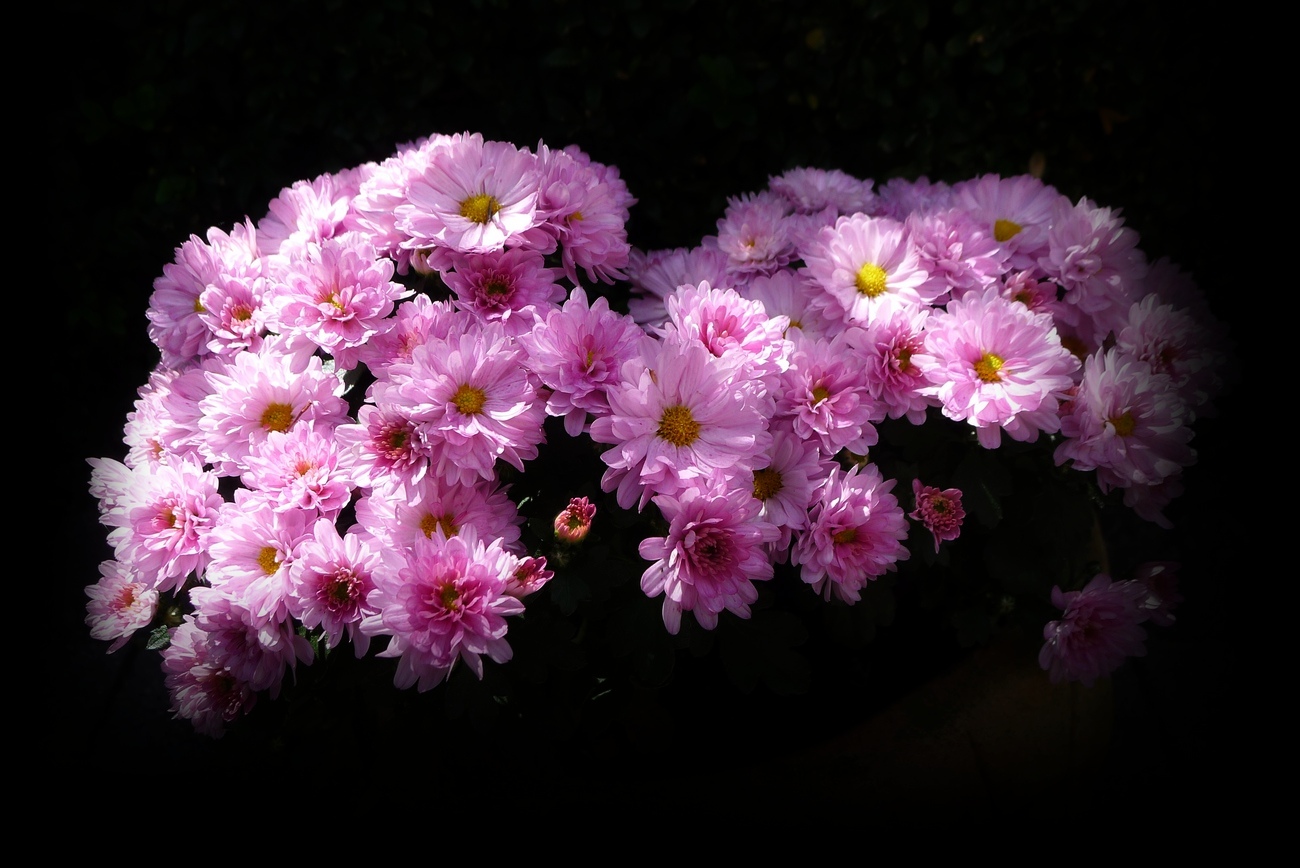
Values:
[(573, 522)]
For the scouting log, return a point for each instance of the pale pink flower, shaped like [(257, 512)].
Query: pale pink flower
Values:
[(939, 510), (119, 605), (383, 188), (304, 212), (256, 651), (252, 547), (959, 254), (237, 313), (884, 350), (812, 190), (529, 576), (656, 274), (1099, 629), (753, 234), (1173, 342), (996, 365), (899, 197), (787, 293), (302, 469), (865, 263), (418, 320), (826, 396), (733, 328), (714, 551), (584, 204), (855, 533), (330, 582), (789, 476), (1017, 211), (401, 517), (384, 448), (442, 603)]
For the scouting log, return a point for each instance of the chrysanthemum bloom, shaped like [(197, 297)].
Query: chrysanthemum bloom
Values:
[(418, 320), (864, 263), (339, 294), (1173, 342), (257, 393), (237, 313), (716, 548), (578, 353), (441, 603), (472, 399), (884, 350), (162, 520), (1095, 257), (684, 417), (513, 287), (585, 207), (382, 188), (475, 196), (752, 233), (959, 254), (731, 327), (787, 293), (656, 274), (176, 317), (202, 690), (793, 472), (330, 582), (119, 605), (529, 576), (826, 397), (304, 212), (574, 521), (1017, 211), (1159, 581), (252, 547), (812, 190), (1099, 629), (256, 651), (1126, 422), (998, 366), (939, 510), (301, 469), (384, 448), (402, 516), (855, 533), (899, 197)]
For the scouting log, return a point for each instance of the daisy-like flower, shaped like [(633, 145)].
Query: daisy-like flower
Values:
[(753, 234), (1173, 342), (899, 197), (812, 190), (826, 397), (998, 366), (683, 417), (442, 603), (959, 254), (384, 448), (418, 320), (302, 468), (578, 353), (586, 209), (303, 213), (202, 690), (339, 294), (1126, 422), (855, 533), (939, 510), (1100, 628), (791, 473), (401, 517), (790, 294), (257, 393), (474, 196), (864, 263), (256, 651), (715, 549), (330, 582), (252, 547), (732, 327), (237, 313), (472, 399), (884, 350), (1017, 211), (119, 605), (513, 287), (656, 274)]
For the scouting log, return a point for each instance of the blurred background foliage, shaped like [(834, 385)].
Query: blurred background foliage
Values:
[(167, 118)]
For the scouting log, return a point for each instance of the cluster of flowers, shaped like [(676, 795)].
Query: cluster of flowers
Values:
[(317, 457)]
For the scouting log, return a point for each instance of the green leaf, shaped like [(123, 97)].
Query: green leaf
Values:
[(159, 637)]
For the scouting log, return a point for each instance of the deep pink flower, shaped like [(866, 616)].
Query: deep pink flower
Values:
[(1099, 629), (939, 510), (574, 521), (512, 287), (330, 582)]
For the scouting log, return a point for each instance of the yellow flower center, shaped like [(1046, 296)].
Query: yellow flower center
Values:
[(870, 280), (848, 535), (445, 522), (469, 400), (678, 426), (905, 359), (277, 417), (1124, 423), (450, 597), (767, 483), (479, 208), (987, 368), (819, 394), (267, 560), (1005, 230)]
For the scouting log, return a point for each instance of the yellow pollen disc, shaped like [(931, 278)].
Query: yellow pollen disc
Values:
[(848, 535), (767, 483), (905, 359), (870, 280), (819, 394), (169, 517), (576, 215), (469, 400), (1005, 230), (302, 468), (678, 426), (795, 324), (432, 522), (479, 208), (267, 560), (1124, 423), (277, 417), (987, 368), (241, 314), (450, 597)]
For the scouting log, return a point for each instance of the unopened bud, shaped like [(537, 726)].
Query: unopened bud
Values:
[(573, 522)]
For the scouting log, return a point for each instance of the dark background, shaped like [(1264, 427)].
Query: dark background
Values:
[(161, 120)]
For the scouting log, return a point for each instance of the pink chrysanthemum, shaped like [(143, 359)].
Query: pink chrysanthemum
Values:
[(753, 234), (304, 212), (1126, 422), (715, 549), (826, 396), (529, 576), (939, 510), (996, 365), (401, 517), (812, 191), (586, 209), (787, 293), (865, 263), (791, 473), (855, 533), (512, 287), (732, 327), (330, 582), (301, 469), (578, 353), (1099, 629), (884, 351), (252, 547), (475, 196), (202, 690), (384, 448), (656, 274), (418, 320), (1173, 342), (959, 254), (119, 605), (899, 197), (683, 417), (441, 603), (256, 651), (574, 521), (1017, 211)]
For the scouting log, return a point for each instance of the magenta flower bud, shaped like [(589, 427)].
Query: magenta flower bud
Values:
[(573, 522)]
